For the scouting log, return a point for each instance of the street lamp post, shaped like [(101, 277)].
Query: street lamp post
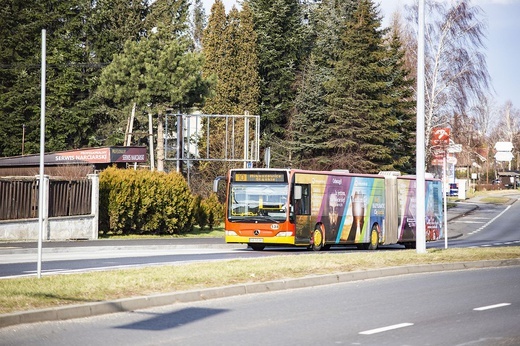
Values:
[(420, 214)]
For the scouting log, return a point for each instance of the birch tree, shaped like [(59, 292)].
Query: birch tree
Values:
[(455, 66)]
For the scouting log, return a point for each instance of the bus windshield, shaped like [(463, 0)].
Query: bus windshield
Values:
[(258, 202)]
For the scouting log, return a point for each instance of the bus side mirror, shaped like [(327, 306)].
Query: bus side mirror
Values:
[(297, 192), (216, 183)]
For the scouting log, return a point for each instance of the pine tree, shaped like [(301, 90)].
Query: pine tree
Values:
[(308, 129), (402, 104), (81, 40), (172, 15), (198, 23), (247, 63), (278, 24), (362, 120), (229, 46), (18, 73), (214, 55), (112, 23)]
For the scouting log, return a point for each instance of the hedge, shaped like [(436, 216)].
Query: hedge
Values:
[(145, 202)]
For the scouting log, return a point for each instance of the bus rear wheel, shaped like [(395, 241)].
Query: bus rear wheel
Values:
[(257, 247), (410, 245), (317, 239), (374, 239)]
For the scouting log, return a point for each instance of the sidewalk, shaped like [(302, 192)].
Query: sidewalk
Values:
[(461, 209)]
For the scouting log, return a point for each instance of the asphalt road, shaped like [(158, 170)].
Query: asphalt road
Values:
[(471, 225), (470, 307)]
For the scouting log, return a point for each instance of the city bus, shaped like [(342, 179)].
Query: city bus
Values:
[(320, 209)]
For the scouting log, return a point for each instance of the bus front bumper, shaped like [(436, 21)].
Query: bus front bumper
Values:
[(285, 240)]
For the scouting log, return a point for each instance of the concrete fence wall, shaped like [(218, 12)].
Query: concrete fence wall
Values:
[(55, 228)]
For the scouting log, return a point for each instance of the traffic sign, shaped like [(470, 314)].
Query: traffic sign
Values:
[(455, 148), (505, 156), (440, 136), (503, 146)]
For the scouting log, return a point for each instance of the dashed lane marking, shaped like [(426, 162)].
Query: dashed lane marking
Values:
[(490, 221), (385, 329), (482, 308)]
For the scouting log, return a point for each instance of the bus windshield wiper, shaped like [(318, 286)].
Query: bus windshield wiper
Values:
[(262, 218)]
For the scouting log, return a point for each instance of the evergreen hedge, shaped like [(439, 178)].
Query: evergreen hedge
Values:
[(144, 202)]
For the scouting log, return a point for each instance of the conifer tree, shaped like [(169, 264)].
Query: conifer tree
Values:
[(198, 23), (247, 64), (229, 46), (19, 75), (362, 123), (81, 40), (214, 56), (278, 24), (308, 129), (402, 103), (172, 15)]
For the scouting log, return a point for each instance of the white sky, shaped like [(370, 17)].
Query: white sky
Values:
[(503, 42)]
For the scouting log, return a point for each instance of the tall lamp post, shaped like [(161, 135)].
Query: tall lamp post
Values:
[(420, 214)]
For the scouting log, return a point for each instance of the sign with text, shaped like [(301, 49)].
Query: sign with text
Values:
[(440, 136)]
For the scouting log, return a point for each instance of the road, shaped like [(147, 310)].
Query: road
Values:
[(470, 307), (488, 225)]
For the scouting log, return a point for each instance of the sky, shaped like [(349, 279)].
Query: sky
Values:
[(502, 46)]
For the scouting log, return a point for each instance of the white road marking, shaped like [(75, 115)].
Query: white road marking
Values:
[(482, 308), (385, 329), (490, 221)]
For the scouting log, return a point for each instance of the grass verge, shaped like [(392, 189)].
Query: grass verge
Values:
[(495, 200), (30, 293)]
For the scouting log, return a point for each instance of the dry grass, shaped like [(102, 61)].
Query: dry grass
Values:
[(495, 200), (57, 290)]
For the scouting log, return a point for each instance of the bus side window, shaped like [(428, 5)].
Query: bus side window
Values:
[(303, 205)]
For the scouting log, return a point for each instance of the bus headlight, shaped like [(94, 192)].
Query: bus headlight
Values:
[(231, 233)]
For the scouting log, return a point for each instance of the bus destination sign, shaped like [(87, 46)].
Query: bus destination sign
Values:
[(261, 177)]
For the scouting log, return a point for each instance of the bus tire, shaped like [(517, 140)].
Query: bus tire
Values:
[(317, 239), (257, 247), (374, 239), (410, 245)]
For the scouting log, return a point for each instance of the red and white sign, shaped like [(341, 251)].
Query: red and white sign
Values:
[(439, 161), (440, 136)]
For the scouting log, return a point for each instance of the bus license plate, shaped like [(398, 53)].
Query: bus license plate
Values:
[(256, 240)]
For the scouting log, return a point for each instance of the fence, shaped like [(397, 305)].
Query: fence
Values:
[(70, 208), (19, 197)]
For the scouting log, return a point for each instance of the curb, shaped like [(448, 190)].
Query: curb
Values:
[(8, 251), (131, 304)]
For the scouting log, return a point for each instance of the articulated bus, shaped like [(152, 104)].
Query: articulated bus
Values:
[(318, 209)]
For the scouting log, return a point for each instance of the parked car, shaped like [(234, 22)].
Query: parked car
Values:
[(454, 190)]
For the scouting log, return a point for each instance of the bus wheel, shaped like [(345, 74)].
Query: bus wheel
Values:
[(410, 245), (317, 239), (374, 238), (257, 247)]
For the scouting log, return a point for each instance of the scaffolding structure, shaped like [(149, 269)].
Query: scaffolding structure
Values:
[(211, 137)]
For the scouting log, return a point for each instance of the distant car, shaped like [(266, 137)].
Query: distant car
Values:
[(496, 182), (454, 190)]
